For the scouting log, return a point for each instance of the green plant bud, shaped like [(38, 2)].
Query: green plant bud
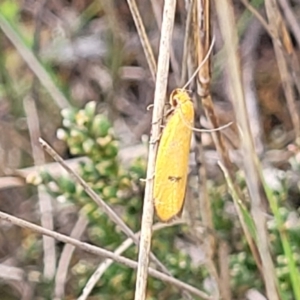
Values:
[(116, 280), (96, 154), (125, 182), (109, 192), (90, 109), (100, 126), (46, 176), (99, 186), (34, 178), (69, 114), (88, 145), (76, 149), (67, 123), (81, 118), (87, 166), (53, 187), (80, 193), (88, 208), (104, 141), (103, 166), (77, 135), (62, 134), (138, 167), (107, 168), (281, 260), (96, 214), (66, 184), (111, 150), (114, 200), (296, 256), (283, 272), (285, 286), (241, 257)]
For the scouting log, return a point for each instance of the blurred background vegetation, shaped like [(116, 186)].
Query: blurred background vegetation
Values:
[(74, 73)]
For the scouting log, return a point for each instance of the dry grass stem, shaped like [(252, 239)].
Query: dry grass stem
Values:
[(101, 252), (65, 258), (291, 19), (226, 17), (238, 203), (156, 6), (44, 199), (143, 36), (200, 48), (159, 98)]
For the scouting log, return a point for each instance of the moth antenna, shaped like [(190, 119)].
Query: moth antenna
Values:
[(202, 63), (202, 130)]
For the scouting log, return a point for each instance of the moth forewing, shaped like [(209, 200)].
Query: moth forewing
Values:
[(171, 167)]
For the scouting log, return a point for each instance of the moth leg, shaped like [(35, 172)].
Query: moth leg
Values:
[(169, 112), (149, 178), (150, 106), (152, 142), (157, 121)]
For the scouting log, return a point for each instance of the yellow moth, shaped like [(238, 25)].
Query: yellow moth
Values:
[(171, 167)]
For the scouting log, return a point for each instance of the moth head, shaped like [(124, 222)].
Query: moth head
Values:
[(179, 96)]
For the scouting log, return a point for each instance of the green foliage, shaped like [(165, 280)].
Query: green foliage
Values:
[(9, 10)]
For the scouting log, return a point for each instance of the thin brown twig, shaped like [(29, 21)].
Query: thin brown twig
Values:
[(143, 36), (159, 100), (223, 256), (65, 258), (187, 37), (100, 252), (203, 43)]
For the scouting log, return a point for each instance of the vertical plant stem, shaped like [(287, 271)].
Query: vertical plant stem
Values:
[(45, 205), (143, 36), (251, 165), (159, 97), (280, 32)]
